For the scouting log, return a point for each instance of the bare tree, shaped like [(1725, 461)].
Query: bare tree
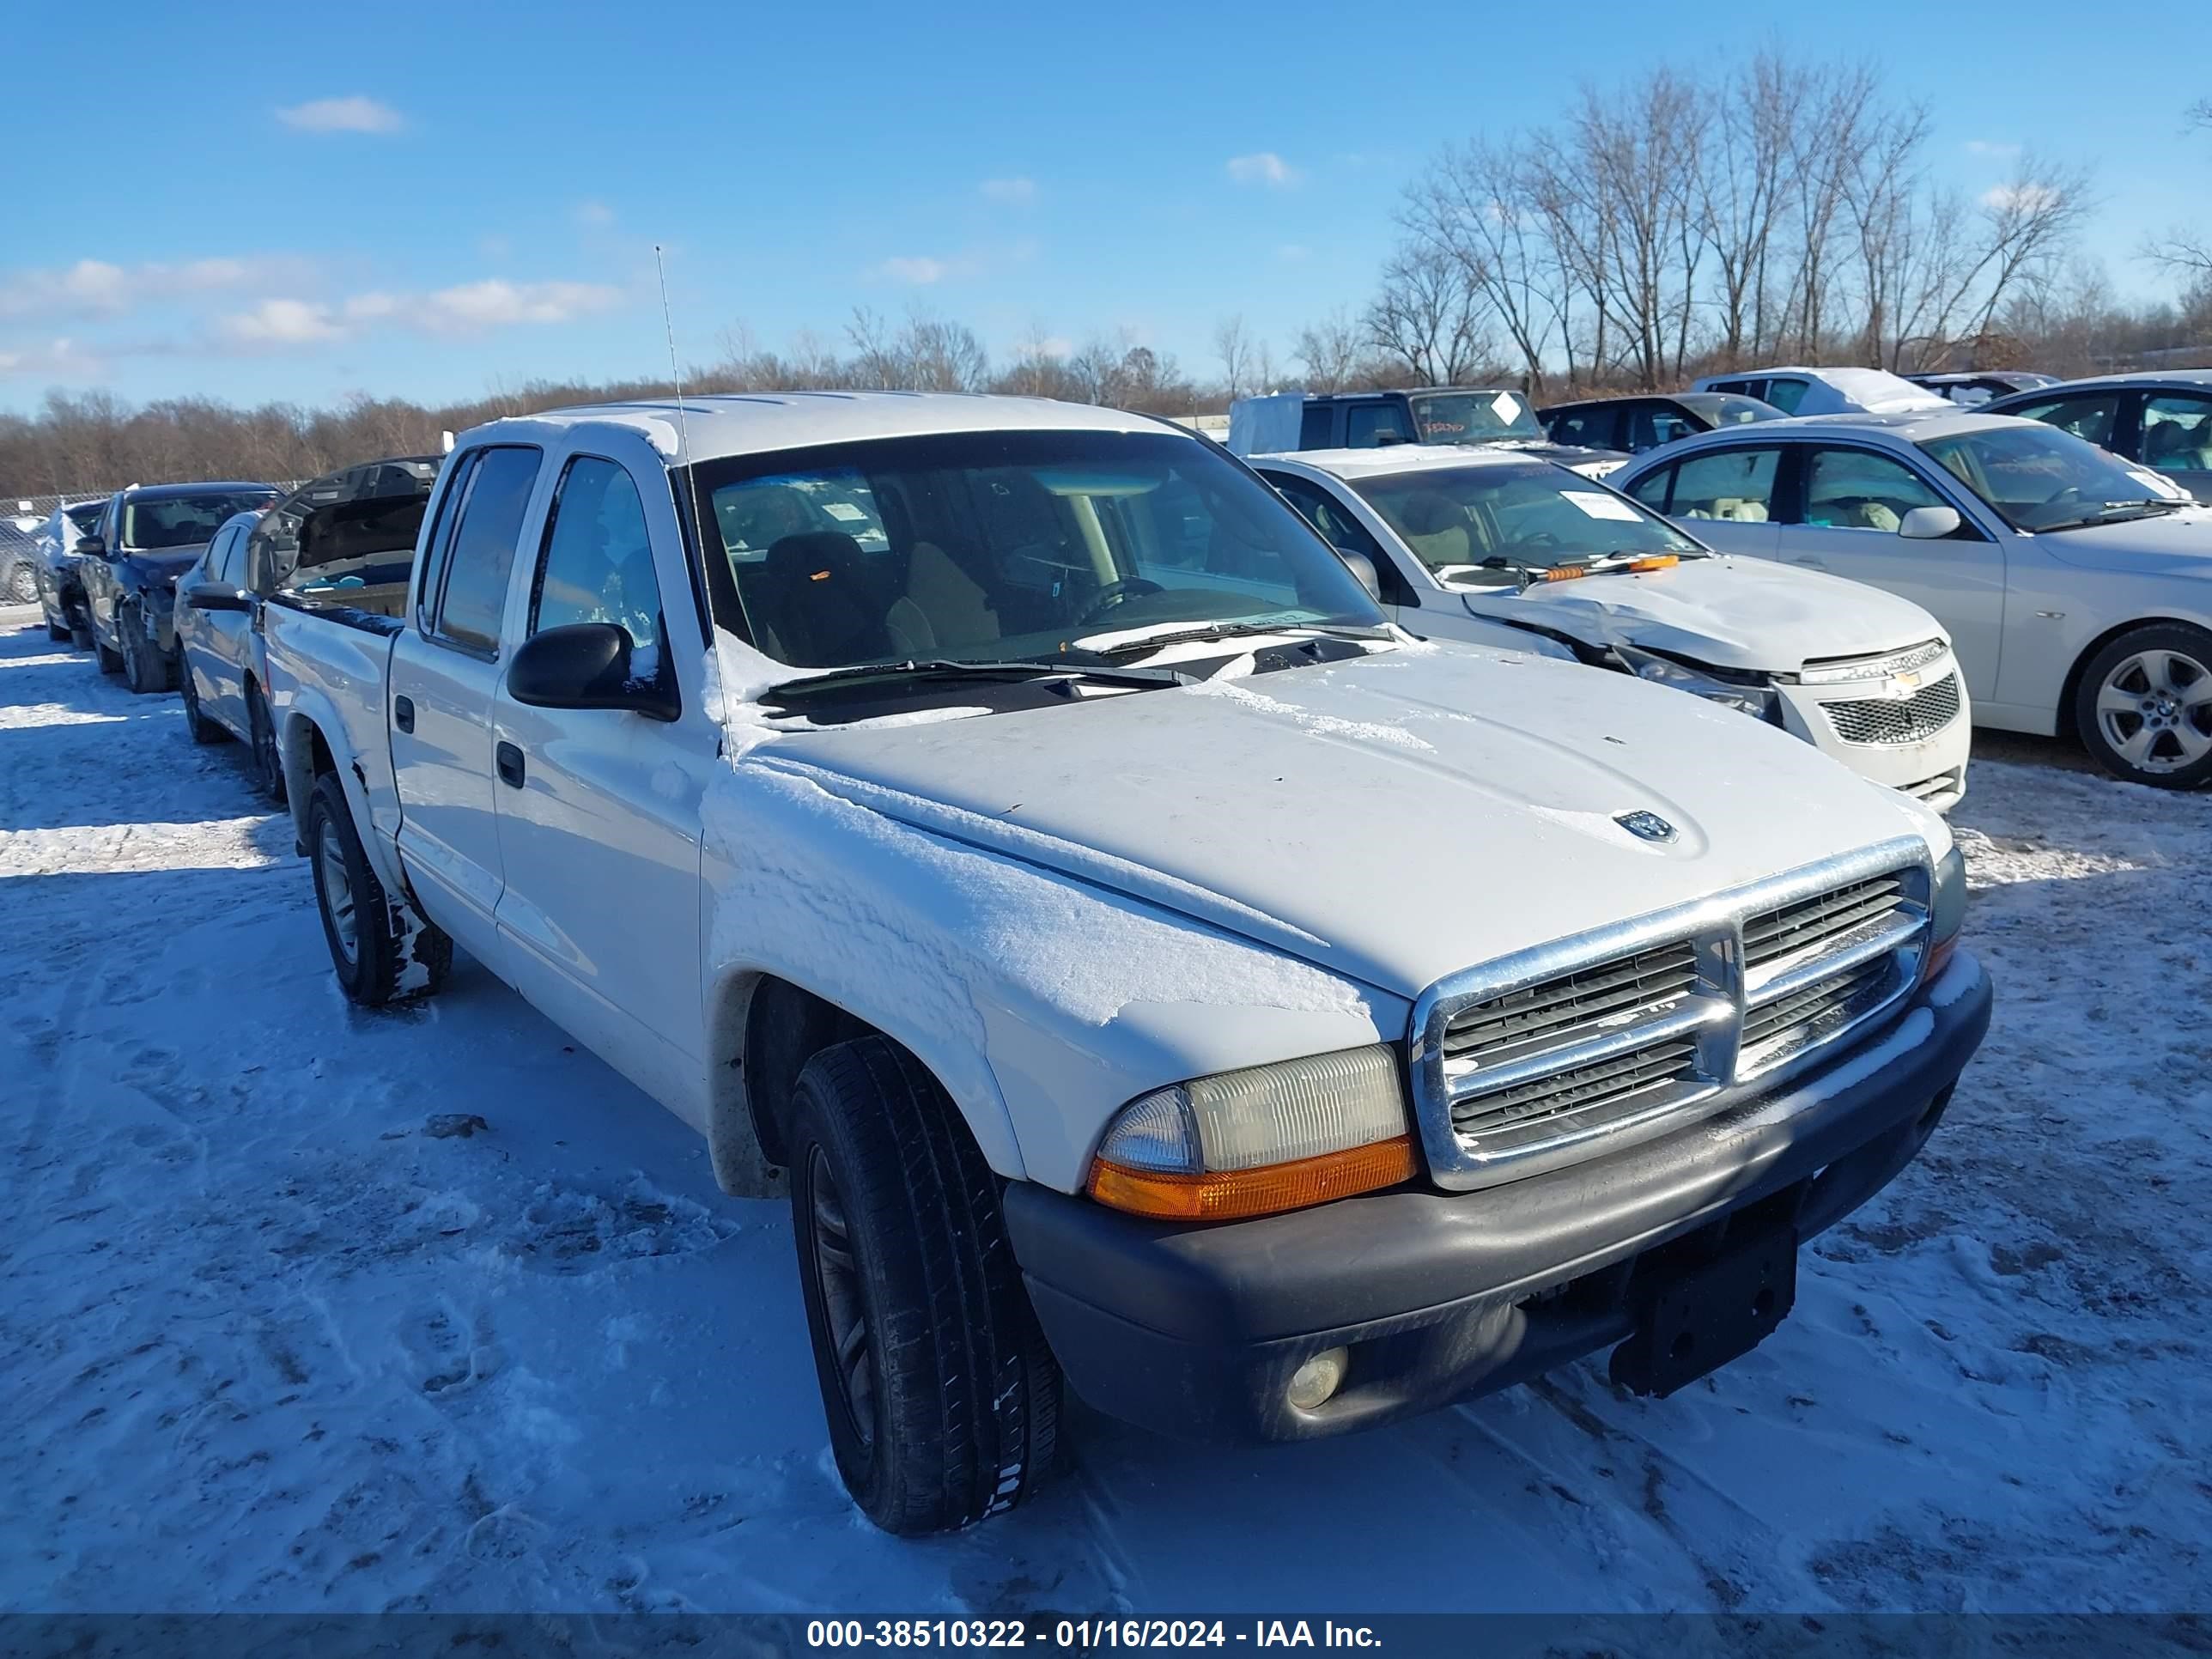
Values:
[(1233, 347), (1329, 350), (2188, 253), (1474, 212), (1429, 316)]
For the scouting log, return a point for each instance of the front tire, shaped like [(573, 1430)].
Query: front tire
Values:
[(59, 632), (2143, 706), (22, 584), (145, 668), (383, 951), (202, 730), (111, 662), (942, 1397)]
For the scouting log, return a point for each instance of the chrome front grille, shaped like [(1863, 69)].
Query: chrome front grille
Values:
[(1892, 720), (1529, 1062)]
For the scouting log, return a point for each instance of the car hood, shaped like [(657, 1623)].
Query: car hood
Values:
[(1729, 613), (166, 566), (2178, 544), (1392, 818)]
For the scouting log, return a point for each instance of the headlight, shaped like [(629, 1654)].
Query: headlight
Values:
[(1760, 701), (1254, 1142), (1947, 914)]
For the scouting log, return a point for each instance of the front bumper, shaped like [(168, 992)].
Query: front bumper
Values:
[(1934, 768), (1195, 1331)]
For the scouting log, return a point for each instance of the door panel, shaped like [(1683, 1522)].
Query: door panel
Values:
[(1853, 500), (599, 842), (449, 829)]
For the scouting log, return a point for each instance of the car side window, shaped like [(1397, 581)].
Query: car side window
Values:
[(1857, 490), (1784, 393), (1736, 484), (1313, 426), (1340, 530), (1650, 426), (596, 561), (222, 557), (1651, 489), (472, 586), (1590, 427), (2177, 431), (1366, 424), (2090, 416)]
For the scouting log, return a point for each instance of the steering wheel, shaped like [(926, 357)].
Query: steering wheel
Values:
[(1541, 541), (1115, 594), (2070, 489)]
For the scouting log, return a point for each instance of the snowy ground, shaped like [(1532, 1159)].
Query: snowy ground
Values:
[(280, 1329)]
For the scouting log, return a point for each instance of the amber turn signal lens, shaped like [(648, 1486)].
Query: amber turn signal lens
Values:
[(1656, 562), (1232, 1195), (1940, 954)]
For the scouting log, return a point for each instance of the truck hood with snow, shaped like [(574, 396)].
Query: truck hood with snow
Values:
[(1393, 818), (1725, 612)]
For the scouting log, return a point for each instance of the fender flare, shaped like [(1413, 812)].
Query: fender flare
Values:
[(312, 710)]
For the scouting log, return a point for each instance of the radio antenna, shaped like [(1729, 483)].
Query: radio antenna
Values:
[(675, 374)]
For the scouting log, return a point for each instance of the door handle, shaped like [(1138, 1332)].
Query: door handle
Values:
[(403, 712), (508, 759)]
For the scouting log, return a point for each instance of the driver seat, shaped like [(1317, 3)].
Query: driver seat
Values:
[(942, 605), (1436, 529)]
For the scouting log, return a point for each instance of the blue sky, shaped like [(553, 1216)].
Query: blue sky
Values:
[(427, 201)]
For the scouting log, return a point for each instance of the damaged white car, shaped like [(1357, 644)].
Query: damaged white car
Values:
[(1462, 540), (1010, 829)]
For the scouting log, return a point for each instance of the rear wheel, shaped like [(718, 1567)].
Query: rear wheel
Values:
[(23, 586), (942, 1397), (268, 759), (203, 729), (2144, 706), (383, 950)]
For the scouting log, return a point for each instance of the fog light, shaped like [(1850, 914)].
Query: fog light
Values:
[(1315, 1381)]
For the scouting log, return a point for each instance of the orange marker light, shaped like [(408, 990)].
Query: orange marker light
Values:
[(1230, 1195)]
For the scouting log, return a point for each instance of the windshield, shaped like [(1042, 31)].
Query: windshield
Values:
[(998, 546), (1472, 417), (1477, 525), (86, 519), (2041, 478), (152, 526)]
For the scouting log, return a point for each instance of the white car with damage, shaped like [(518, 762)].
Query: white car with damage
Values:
[(1009, 828), (1464, 539)]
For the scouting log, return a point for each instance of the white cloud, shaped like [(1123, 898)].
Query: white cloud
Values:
[(593, 215), (93, 287), (354, 114), (2020, 199), (1019, 191), (917, 269), (1264, 168), (1995, 148), (58, 358), (467, 308)]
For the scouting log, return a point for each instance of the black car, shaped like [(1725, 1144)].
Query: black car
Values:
[(2163, 419), (147, 536), (1636, 424), (1428, 415), (1973, 388), (61, 591)]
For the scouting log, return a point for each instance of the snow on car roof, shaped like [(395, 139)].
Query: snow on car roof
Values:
[(1402, 458), (1909, 426), (745, 424)]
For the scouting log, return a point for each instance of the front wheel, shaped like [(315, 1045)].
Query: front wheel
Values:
[(145, 668), (58, 632), (203, 729), (2144, 706), (382, 951), (942, 1397)]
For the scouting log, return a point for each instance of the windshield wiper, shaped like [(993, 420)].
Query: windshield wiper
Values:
[(2119, 513), (1235, 631), (947, 668)]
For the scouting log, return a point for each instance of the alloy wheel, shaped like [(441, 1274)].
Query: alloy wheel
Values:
[(338, 889), (2155, 710), (837, 1280)]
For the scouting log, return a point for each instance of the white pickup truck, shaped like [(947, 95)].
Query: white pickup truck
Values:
[(1008, 827)]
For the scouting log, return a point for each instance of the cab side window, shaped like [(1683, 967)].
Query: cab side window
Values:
[(1340, 530), (1366, 425), (1590, 427), (1314, 424), (596, 561), (2090, 418), (1856, 490), (1785, 393), (1727, 484), (2177, 431), (477, 559)]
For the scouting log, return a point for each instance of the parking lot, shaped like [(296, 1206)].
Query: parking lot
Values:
[(306, 1307)]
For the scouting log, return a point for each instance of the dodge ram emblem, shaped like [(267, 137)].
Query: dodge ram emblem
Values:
[(1645, 826)]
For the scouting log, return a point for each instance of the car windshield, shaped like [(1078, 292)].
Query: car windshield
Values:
[(1021, 546), (1480, 526), (174, 521), (1472, 417), (86, 519), (2041, 478)]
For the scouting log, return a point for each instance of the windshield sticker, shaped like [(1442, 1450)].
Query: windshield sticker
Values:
[(1599, 506), (1506, 407), (844, 511)]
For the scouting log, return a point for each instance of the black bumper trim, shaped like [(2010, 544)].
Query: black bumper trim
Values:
[(1194, 1331)]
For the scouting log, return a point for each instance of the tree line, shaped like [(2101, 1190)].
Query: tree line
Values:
[(1675, 225)]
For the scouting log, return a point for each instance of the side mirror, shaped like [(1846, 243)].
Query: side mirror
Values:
[(214, 596), (1364, 568), (91, 547), (584, 665), (1928, 524)]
